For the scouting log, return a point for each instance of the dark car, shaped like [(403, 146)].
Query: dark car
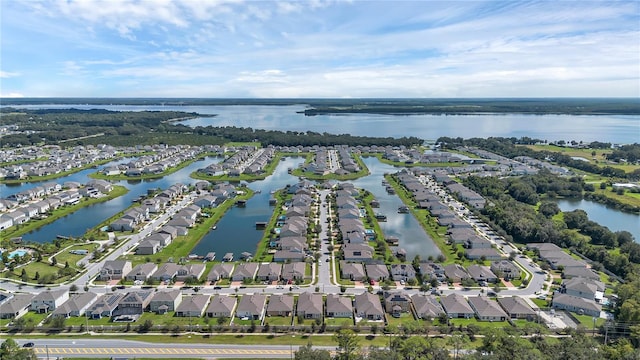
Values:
[(29, 345), (217, 287)]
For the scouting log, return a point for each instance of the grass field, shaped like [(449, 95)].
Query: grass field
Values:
[(587, 154)]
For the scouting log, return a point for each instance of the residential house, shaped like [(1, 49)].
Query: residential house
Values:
[(114, 270), (76, 305), (133, 303), (516, 307), (48, 300), (141, 272), (288, 256), (15, 306), (582, 272), (377, 272), (220, 271), (148, 247), (487, 309), (357, 252), (456, 306), (309, 306), (455, 273), (339, 306), (368, 306), (576, 304), (251, 306), (483, 253), (166, 272), (269, 271), (165, 301), (352, 271), (280, 305), (293, 271), (190, 272), (426, 306), (505, 269), (221, 306), (192, 306), (396, 302), (584, 288), (104, 306), (244, 271), (481, 274), (402, 272)]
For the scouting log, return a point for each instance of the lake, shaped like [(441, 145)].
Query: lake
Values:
[(613, 219)]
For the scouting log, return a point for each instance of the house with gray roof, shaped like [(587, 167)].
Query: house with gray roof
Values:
[(582, 272), (396, 302), (377, 272), (455, 272), (220, 271), (104, 306), (288, 255), (310, 306), (166, 272), (280, 305), (483, 253), (456, 306), (368, 306), (221, 306), (76, 305), (516, 307), (505, 269), (293, 271), (269, 271), (133, 303), (487, 309), (244, 271), (402, 272), (114, 270), (49, 300), (141, 272), (426, 306), (352, 271), (148, 247), (15, 306), (339, 306), (165, 301), (576, 304), (585, 288), (192, 306), (190, 271), (251, 306), (481, 273)]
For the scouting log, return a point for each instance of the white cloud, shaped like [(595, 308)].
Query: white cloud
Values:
[(12, 95), (7, 74)]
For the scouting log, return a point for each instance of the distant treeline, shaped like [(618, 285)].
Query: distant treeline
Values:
[(128, 128), (577, 106), (507, 148)]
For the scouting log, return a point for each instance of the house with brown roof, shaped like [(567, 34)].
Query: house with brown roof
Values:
[(245, 271), (505, 269), (269, 271), (133, 303), (166, 272), (220, 271), (280, 305), (481, 273), (396, 302), (190, 271), (351, 271), (377, 272), (293, 271)]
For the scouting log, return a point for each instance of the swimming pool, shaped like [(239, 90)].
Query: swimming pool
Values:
[(18, 252)]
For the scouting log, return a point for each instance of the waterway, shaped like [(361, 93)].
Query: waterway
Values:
[(607, 128), (613, 219), (77, 223)]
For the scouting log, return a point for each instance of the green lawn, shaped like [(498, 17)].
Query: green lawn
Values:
[(279, 320), (474, 321), (403, 319), (338, 321), (587, 320)]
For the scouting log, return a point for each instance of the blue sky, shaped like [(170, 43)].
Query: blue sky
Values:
[(317, 48)]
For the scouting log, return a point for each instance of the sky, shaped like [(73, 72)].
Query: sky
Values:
[(319, 49)]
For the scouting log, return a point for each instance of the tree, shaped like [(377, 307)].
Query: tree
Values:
[(73, 288), (348, 344), (307, 352), (10, 350)]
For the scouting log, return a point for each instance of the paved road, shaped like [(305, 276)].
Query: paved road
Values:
[(101, 348)]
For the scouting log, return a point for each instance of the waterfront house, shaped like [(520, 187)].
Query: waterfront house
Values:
[(220, 271), (245, 271)]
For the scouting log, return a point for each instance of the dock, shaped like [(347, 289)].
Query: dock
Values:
[(241, 203), (381, 217), (227, 257), (261, 225)]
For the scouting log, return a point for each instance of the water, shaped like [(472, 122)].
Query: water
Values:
[(613, 219), (405, 227), (236, 231), (77, 223), (587, 128)]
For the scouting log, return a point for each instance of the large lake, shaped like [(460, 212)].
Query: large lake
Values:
[(586, 128)]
